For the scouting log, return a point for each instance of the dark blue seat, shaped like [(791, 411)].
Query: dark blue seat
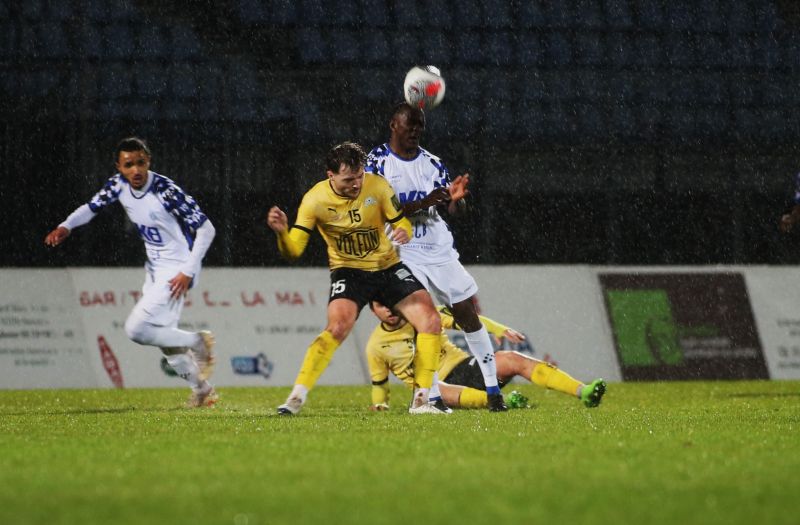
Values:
[(740, 17), (118, 40), (588, 14), (437, 15), (681, 15), (32, 10), (589, 49), (345, 47), (91, 41), (53, 41), (533, 87), (116, 81), (557, 14), (559, 49), (345, 13), (713, 50), (711, 89), (151, 80), (618, 14), (711, 16), (767, 51), (530, 51), (774, 91), (591, 120), (185, 44), (531, 16), (497, 15), (3, 10), (529, 122), (405, 46), (651, 15), (311, 46), (375, 12), (284, 12), (185, 83), (151, 42), (118, 10), (29, 46), (376, 48), (680, 50), (8, 38), (648, 50), (436, 48), (621, 49), (499, 48), (252, 12), (406, 12), (766, 18), (468, 13), (469, 49), (741, 51), (313, 12), (498, 120), (622, 121), (377, 85), (743, 89)]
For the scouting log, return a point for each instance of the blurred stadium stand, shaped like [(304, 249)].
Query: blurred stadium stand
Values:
[(596, 131)]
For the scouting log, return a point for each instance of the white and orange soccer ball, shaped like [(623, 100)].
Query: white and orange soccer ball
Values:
[(424, 87)]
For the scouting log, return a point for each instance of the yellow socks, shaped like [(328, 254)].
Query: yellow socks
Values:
[(472, 398), (426, 358), (318, 356), (548, 376)]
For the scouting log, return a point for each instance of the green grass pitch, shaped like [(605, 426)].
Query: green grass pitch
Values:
[(689, 452)]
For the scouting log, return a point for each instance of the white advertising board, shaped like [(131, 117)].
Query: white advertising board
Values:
[(775, 296), (65, 328)]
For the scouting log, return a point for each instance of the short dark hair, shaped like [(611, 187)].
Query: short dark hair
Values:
[(348, 153), (403, 107), (131, 144)]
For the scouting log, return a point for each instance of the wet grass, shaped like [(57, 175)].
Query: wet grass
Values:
[(723, 452)]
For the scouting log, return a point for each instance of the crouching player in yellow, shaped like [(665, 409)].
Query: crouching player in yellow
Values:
[(391, 349), (350, 209)]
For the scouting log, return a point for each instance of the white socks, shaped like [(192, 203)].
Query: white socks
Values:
[(481, 347), (434, 393), (186, 367), (300, 392)]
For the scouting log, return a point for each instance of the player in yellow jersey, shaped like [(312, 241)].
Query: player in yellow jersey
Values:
[(351, 209), (391, 349)]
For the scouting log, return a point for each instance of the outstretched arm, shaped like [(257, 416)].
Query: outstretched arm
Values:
[(291, 242), (79, 217)]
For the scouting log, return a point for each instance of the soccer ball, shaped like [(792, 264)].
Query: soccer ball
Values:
[(424, 87)]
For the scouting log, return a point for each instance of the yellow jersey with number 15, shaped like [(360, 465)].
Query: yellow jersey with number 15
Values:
[(353, 229)]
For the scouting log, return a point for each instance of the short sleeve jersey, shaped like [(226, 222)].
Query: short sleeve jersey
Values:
[(413, 180), (353, 229), (165, 217)]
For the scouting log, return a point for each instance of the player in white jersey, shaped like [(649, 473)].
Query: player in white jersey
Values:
[(176, 235), (423, 185)]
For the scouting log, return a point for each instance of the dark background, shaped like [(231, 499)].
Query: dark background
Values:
[(596, 131)]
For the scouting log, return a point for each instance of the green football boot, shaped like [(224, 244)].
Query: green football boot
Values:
[(516, 400), (593, 393)]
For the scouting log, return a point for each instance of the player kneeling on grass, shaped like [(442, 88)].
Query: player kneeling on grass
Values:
[(176, 235), (391, 349)]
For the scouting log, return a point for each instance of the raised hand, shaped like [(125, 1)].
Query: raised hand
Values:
[(57, 236)]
